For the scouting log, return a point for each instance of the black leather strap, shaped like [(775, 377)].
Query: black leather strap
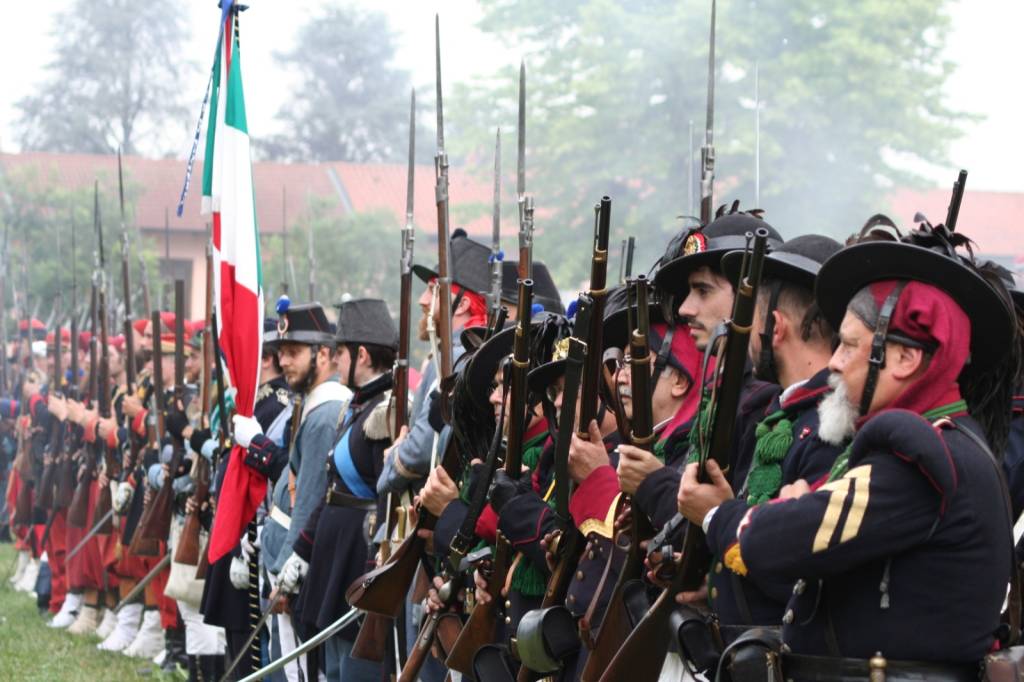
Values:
[(876, 361)]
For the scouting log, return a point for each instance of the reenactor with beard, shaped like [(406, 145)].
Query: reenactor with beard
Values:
[(791, 348), (334, 543), (900, 561), (225, 600), (306, 352)]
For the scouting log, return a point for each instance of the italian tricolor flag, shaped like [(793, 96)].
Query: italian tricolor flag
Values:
[(228, 194)]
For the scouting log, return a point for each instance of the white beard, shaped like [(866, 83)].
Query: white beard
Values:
[(836, 414)]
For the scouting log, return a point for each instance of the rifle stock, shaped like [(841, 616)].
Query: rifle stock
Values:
[(635, 657), (383, 589), (481, 627)]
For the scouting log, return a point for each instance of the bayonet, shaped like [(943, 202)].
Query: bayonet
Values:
[(525, 202), (707, 151), (496, 255), (405, 297)]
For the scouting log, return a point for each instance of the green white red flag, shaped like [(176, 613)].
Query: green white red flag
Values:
[(228, 195)]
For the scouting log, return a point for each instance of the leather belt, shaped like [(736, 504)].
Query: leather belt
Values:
[(337, 498), (800, 668), (280, 517)]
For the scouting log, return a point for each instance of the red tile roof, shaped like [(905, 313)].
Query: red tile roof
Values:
[(994, 220), (349, 186)]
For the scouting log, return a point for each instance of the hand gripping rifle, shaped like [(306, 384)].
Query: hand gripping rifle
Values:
[(480, 628), (524, 201), (643, 653), (529, 643), (188, 550), (158, 525), (707, 150), (615, 626)]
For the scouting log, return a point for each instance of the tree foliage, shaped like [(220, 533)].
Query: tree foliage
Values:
[(50, 239), (115, 80), (848, 93), (349, 102)]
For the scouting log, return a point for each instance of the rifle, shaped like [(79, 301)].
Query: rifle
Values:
[(480, 628), (707, 150), (524, 201), (496, 256), (110, 463), (953, 213), (444, 282), (141, 544), (188, 542), (371, 643), (45, 498), (158, 524), (615, 626), (78, 512), (597, 297), (642, 654), (566, 545)]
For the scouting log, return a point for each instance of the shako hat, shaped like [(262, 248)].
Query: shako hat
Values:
[(470, 267), (544, 290), (303, 323), (366, 321)]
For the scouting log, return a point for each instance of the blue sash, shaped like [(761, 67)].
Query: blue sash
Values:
[(347, 468)]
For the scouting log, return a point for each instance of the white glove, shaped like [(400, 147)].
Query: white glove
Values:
[(123, 497), (248, 548), (245, 429), (293, 571), (238, 572)]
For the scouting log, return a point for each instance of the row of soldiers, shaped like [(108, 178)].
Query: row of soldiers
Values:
[(770, 459)]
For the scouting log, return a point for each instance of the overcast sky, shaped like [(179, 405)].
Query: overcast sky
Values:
[(985, 44)]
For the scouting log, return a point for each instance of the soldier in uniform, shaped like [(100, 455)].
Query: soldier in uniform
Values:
[(306, 351), (900, 561), (792, 347), (225, 599), (334, 543)]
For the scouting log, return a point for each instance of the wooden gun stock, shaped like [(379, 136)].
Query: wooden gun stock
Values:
[(372, 641), (45, 496), (481, 628), (383, 589), (78, 510), (188, 543)]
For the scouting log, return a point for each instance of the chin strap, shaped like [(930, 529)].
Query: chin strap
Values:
[(876, 361)]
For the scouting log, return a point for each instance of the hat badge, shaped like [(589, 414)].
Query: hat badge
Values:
[(695, 243), (561, 350)]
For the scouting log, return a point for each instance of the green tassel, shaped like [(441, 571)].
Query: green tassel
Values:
[(774, 439), (528, 580), (701, 427), (841, 464)]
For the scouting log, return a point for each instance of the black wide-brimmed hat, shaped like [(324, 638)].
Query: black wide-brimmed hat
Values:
[(544, 290), (616, 319), (470, 267), (705, 246), (797, 261), (303, 323), (366, 321), (927, 256), (546, 329)]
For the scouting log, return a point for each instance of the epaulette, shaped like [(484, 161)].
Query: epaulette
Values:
[(376, 426), (915, 440), (264, 391), (283, 396)]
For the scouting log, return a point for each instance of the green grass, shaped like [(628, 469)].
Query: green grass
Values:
[(32, 652)]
